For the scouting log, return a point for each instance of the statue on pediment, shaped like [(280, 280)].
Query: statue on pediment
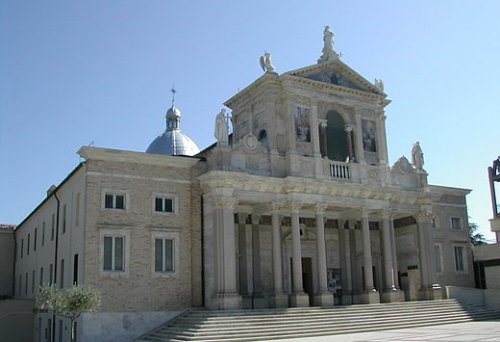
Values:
[(221, 132), (379, 84), (266, 63), (496, 166), (417, 157), (328, 53)]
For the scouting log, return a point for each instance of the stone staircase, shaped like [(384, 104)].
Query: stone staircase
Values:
[(270, 324)]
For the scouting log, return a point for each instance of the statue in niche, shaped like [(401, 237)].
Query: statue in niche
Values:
[(302, 127), (417, 157), (221, 132), (266, 64), (368, 128), (328, 52), (496, 166)]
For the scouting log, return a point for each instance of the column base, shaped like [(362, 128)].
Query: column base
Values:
[(347, 299), (369, 297), (259, 302), (392, 295), (227, 301), (299, 299), (323, 299), (432, 293), (246, 301), (279, 300)]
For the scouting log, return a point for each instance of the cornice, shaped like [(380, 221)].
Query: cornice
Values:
[(108, 154)]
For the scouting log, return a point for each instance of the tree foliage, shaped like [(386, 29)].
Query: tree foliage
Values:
[(476, 238), (72, 302)]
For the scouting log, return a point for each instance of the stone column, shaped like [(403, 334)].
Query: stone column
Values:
[(258, 300), (394, 256), (390, 292), (245, 258), (227, 286), (358, 140), (314, 131), (348, 131), (298, 297), (278, 299), (429, 288), (381, 145), (370, 294), (323, 297), (324, 138)]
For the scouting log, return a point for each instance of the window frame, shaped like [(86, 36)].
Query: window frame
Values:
[(114, 193), (166, 235), (460, 221), (163, 197), (464, 259), (125, 234)]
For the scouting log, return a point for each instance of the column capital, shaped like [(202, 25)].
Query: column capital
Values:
[(386, 213), (322, 122), (275, 206), (423, 217), (225, 202), (320, 208), (255, 218), (295, 206), (242, 218), (348, 129), (364, 212)]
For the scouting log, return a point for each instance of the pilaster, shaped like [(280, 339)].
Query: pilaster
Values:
[(323, 297), (298, 297)]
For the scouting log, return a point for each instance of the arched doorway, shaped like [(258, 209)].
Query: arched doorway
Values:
[(336, 138)]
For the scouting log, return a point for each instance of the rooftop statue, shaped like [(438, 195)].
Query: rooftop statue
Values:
[(496, 166), (221, 132), (328, 53), (417, 157), (266, 63), (379, 84)]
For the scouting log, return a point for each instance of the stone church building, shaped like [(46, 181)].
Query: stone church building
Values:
[(297, 206)]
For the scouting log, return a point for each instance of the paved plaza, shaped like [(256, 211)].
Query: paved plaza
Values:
[(472, 331)]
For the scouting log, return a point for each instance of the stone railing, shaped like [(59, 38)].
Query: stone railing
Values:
[(338, 170)]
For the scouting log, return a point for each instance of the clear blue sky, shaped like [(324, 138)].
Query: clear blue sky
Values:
[(76, 72)]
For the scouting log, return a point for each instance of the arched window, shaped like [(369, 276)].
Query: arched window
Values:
[(337, 144), (263, 138)]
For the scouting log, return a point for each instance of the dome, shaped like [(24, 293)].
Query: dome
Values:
[(173, 142)]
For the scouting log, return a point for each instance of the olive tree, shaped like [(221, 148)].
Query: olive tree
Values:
[(70, 303)]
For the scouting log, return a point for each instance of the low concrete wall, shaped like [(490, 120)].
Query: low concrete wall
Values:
[(492, 298), (120, 326), (16, 320), (466, 294)]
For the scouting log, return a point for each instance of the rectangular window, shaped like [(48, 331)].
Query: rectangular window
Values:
[(33, 277), (456, 223), (20, 284), (459, 258), (49, 330), (28, 245), (64, 219), (43, 233), (77, 210), (51, 274), (164, 205), (52, 227), (439, 258), (114, 201), (75, 269), (114, 253), (60, 331), (26, 284), (34, 240), (39, 329), (41, 277), (22, 247), (164, 255), (61, 283)]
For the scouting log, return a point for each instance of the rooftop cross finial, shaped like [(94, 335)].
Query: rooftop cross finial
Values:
[(173, 91)]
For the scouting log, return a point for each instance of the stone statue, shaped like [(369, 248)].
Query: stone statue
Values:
[(417, 157), (379, 84), (328, 53), (221, 132), (266, 64), (496, 166)]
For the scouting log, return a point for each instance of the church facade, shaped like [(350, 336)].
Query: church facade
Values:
[(297, 207)]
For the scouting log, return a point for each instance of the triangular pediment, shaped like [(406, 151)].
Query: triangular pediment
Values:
[(339, 74)]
